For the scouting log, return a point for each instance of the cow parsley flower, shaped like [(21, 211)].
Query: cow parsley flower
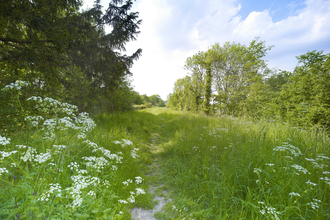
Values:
[(73, 166), (269, 164), (294, 194), (34, 120), (300, 169), (126, 143), (139, 191), (311, 183), (138, 180), (6, 154), (4, 141), (295, 151), (59, 148), (127, 182), (17, 85), (3, 170), (54, 188), (257, 170), (96, 162), (42, 157), (134, 154), (314, 204), (29, 154)]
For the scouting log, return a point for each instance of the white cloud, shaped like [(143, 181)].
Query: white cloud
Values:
[(173, 30)]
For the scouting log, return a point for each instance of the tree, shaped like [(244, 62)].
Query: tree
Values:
[(53, 44), (306, 96), (235, 68)]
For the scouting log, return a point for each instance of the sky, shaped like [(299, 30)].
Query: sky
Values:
[(173, 30)]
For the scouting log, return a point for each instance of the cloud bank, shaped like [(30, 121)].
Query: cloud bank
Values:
[(173, 30)]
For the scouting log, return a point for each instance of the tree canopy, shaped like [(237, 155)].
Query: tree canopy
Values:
[(243, 86), (65, 52)]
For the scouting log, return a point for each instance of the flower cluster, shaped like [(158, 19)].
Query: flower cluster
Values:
[(106, 152), (314, 204), (79, 183), (300, 169), (294, 194), (288, 147), (17, 85), (3, 170), (34, 120), (96, 162), (29, 154), (53, 188), (131, 199), (4, 141), (269, 210), (134, 153), (49, 105), (124, 143), (59, 148), (6, 154)]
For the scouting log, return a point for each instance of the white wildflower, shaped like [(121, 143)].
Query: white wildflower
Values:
[(138, 180), (3, 170), (91, 193), (257, 170), (81, 136), (54, 188), (29, 154), (126, 143), (311, 183), (139, 191), (300, 169), (127, 182), (4, 141), (5, 154), (269, 164), (294, 194), (288, 147), (42, 157), (73, 166), (314, 204), (17, 85), (134, 154)]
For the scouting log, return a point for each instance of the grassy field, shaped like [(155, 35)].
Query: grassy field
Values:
[(214, 168), (225, 168)]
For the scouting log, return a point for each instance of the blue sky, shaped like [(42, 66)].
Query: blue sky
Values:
[(173, 30)]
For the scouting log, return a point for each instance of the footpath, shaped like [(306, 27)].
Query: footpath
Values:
[(161, 196)]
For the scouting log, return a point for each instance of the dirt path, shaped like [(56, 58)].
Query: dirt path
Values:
[(143, 214)]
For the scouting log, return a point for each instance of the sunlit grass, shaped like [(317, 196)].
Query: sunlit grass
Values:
[(67, 165), (225, 168), (64, 166)]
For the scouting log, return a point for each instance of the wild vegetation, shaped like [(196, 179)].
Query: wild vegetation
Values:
[(233, 79), (70, 149), (62, 164), (64, 52)]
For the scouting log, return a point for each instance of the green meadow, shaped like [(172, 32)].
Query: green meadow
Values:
[(78, 167)]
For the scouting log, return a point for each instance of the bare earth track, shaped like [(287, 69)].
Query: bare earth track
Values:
[(143, 214)]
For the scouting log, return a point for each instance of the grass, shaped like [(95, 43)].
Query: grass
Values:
[(215, 168), (225, 168), (71, 168)]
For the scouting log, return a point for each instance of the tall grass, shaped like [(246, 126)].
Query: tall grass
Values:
[(225, 168), (63, 165)]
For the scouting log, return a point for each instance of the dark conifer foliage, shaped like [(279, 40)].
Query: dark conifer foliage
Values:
[(65, 52)]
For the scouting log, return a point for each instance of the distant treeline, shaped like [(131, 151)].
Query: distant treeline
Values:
[(144, 101), (234, 80)]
